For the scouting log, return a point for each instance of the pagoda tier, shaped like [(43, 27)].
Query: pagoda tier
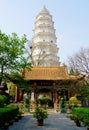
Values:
[(44, 49)]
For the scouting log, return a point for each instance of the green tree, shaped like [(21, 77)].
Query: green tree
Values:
[(12, 57), (82, 91)]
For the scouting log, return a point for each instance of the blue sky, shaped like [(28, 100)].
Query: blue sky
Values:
[(71, 21)]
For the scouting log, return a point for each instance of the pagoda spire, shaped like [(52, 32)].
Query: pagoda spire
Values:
[(44, 49)]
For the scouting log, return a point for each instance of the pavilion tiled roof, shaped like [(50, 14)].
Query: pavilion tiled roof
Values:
[(47, 73)]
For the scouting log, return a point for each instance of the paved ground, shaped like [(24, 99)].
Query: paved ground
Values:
[(55, 121)]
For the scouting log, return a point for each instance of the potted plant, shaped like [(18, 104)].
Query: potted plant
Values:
[(77, 121), (6, 125), (76, 116), (44, 101), (63, 105), (40, 114)]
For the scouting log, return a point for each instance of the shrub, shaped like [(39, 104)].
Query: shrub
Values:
[(63, 104), (40, 113), (43, 100), (81, 114), (3, 101), (7, 113), (74, 102)]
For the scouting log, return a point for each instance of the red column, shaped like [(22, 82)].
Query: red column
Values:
[(20, 95), (35, 94), (54, 92), (72, 92), (16, 94)]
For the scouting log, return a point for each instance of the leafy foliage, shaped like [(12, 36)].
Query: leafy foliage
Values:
[(73, 101), (43, 100), (12, 58), (20, 82), (7, 114), (63, 104), (40, 113), (82, 114), (4, 100)]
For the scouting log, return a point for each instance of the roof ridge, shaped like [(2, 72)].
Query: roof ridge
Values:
[(48, 66)]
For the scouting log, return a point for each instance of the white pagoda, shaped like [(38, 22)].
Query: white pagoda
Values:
[(43, 48)]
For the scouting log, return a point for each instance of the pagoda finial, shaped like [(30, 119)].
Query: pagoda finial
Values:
[(44, 7)]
